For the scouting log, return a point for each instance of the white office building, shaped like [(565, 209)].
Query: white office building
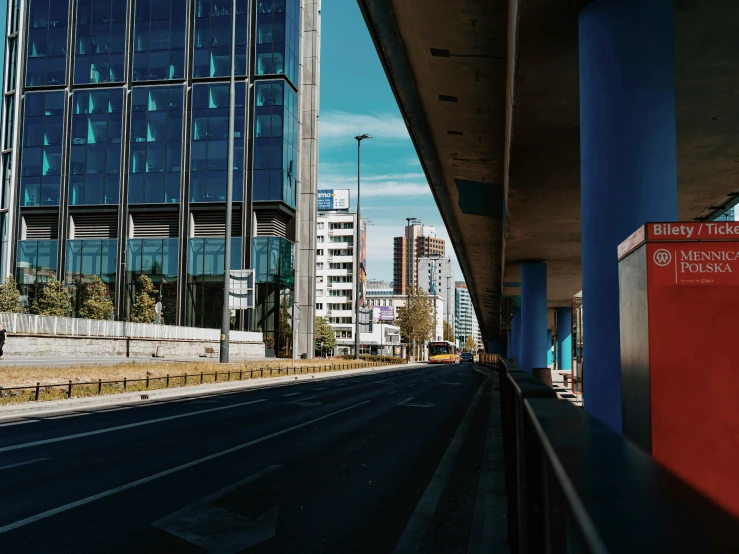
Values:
[(436, 276), (466, 324), (396, 301)]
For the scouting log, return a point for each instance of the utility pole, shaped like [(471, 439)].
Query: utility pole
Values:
[(357, 252), (226, 319)]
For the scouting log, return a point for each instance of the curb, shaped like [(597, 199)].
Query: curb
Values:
[(31, 408)]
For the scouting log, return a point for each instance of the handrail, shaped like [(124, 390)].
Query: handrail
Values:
[(574, 485)]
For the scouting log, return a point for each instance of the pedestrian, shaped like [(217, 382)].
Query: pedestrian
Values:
[(3, 333)]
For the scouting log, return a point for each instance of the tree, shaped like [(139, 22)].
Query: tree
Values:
[(53, 299), (448, 332), (96, 302), (325, 336), (144, 309), (9, 296), (416, 318), (470, 345)]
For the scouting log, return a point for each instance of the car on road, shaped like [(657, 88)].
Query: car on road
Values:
[(466, 357)]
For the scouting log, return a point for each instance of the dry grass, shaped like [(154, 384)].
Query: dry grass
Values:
[(29, 376)]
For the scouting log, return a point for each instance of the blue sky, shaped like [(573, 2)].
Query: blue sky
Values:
[(356, 99)]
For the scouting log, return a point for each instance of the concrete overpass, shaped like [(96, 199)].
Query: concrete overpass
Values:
[(491, 93)]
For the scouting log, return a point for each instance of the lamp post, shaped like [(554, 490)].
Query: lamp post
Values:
[(409, 262), (357, 253)]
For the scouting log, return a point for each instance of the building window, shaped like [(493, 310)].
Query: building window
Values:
[(155, 158), (278, 38), (320, 226), (95, 159), (319, 306), (36, 263), (85, 259), (212, 52), (47, 42), (275, 142), (42, 148), (205, 279), (319, 252), (156, 258), (209, 146), (100, 41), (159, 40)]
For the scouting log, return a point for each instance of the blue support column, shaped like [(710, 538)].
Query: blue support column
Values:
[(533, 315), (564, 338), (514, 343), (550, 354), (627, 162)]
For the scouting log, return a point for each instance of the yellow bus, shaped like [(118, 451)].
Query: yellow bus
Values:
[(442, 352)]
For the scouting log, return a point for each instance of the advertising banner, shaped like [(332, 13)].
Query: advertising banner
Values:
[(362, 262), (330, 200), (383, 313)]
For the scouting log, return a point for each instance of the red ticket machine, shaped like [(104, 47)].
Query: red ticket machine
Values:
[(679, 310)]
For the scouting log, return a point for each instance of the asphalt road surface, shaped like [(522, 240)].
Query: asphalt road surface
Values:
[(327, 466)]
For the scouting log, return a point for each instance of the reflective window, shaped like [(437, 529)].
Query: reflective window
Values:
[(41, 161), (205, 279), (156, 258), (278, 38), (36, 263), (155, 158), (95, 152), (86, 258), (100, 42), (209, 146), (275, 142), (159, 40), (212, 40), (47, 42)]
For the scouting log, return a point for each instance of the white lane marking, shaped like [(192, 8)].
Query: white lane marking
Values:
[(22, 422), (126, 426), (66, 416), (109, 492), (117, 409), (341, 385), (27, 462), (407, 402), (409, 386), (393, 392), (303, 399), (446, 383), (319, 388), (292, 394)]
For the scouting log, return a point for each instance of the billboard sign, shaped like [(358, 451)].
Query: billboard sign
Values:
[(330, 199), (383, 313), (362, 262)]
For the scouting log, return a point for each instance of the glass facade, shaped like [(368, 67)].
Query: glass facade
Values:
[(275, 142), (86, 258), (100, 41), (41, 163), (157, 259), (155, 161), (159, 40), (278, 36), (209, 145), (36, 262), (212, 40), (205, 279), (47, 42), (95, 152)]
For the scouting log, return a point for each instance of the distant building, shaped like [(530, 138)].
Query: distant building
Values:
[(419, 241), (396, 301), (436, 276), (376, 287), (466, 323)]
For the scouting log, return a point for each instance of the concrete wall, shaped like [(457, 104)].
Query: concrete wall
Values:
[(51, 346)]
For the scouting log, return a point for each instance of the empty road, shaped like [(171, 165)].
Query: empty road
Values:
[(334, 465)]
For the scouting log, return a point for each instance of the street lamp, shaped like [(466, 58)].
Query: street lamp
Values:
[(357, 253)]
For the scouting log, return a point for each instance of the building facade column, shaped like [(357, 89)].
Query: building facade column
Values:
[(533, 315), (514, 340), (628, 165), (564, 338), (548, 350)]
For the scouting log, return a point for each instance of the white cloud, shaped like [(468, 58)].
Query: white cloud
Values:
[(389, 189), (344, 125)]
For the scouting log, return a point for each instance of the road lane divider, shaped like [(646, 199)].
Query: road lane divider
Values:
[(26, 463), (132, 484)]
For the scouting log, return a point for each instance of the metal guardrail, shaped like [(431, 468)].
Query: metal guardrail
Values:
[(575, 486), (78, 327), (39, 392)]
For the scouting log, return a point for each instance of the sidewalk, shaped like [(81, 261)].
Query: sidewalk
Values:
[(110, 360)]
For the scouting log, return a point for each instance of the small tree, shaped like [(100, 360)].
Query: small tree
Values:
[(9, 296), (416, 318), (96, 302), (325, 336), (470, 345), (144, 309), (448, 332), (53, 299)]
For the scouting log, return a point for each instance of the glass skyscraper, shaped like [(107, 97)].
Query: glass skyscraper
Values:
[(115, 135)]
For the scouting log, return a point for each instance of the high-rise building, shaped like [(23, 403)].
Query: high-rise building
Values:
[(436, 276), (114, 152), (419, 241), (379, 288), (466, 324)]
